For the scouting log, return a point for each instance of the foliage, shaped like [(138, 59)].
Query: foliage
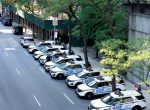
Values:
[(114, 58), (130, 56)]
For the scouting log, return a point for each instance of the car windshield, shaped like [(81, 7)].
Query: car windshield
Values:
[(44, 49), (56, 60), (110, 100), (62, 66), (81, 75), (92, 84), (38, 44)]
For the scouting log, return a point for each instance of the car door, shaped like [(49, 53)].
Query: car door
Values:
[(126, 103), (107, 87)]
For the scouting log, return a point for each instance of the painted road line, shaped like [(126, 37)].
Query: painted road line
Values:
[(9, 49), (26, 53), (18, 72), (6, 53), (68, 99), (37, 100), (42, 70)]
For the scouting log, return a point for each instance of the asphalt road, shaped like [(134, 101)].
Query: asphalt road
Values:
[(24, 85)]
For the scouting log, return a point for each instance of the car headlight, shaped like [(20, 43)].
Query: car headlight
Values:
[(93, 107)]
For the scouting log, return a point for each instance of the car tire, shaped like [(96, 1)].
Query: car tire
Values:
[(89, 95), (33, 51), (60, 76), (137, 108), (118, 89), (77, 84)]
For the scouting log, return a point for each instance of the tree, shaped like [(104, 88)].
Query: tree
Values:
[(114, 58), (130, 56), (112, 23)]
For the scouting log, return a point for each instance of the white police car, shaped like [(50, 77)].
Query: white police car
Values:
[(98, 86), (26, 41), (75, 58), (119, 100), (46, 50), (80, 78), (44, 58), (66, 70), (56, 62), (33, 48)]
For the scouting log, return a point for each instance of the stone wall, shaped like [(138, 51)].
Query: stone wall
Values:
[(139, 25)]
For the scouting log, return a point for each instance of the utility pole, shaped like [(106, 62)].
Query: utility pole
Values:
[(33, 18)]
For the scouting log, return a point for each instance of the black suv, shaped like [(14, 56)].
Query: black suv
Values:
[(7, 22)]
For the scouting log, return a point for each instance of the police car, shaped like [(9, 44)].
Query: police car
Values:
[(67, 69), (119, 100), (40, 45), (26, 41), (45, 58), (46, 50), (98, 86), (80, 78), (74, 58)]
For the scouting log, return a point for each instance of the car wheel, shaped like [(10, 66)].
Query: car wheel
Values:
[(77, 84), (89, 95), (60, 76), (33, 51), (137, 108), (118, 89)]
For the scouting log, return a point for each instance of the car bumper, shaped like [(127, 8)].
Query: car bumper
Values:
[(54, 75), (42, 61), (47, 68), (36, 56), (80, 94), (30, 50), (70, 83)]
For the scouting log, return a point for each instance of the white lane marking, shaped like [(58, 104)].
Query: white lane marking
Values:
[(6, 53), (9, 49), (68, 99), (18, 72), (26, 53), (36, 100), (42, 70)]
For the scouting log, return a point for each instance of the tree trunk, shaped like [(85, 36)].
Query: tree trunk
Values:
[(96, 55), (114, 83), (84, 46), (69, 33)]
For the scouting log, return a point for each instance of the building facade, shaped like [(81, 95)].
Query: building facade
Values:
[(139, 26)]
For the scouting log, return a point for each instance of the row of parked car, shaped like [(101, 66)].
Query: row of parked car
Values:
[(62, 64)]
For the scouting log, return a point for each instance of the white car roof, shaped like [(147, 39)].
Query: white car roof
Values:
[(57, 46), (28, 38), (73, 56), (49, 41), (126, 93), (103, 78)]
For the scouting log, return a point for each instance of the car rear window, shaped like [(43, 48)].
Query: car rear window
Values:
[(79, 59), (140, 97), (30, 39)]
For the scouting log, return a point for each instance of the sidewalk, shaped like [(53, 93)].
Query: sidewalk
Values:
[(95, 64)]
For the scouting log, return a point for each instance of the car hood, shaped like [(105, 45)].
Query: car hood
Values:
[(43, 57), (83, 87), (32, 46), (38, 52), (56, 69), (73, 78), (98, 103), (49, 63)]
